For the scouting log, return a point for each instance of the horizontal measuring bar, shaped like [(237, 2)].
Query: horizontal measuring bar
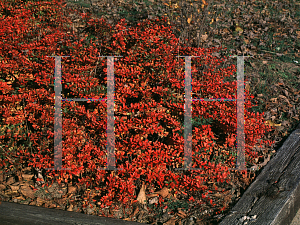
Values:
[(218, 99), (83, 99), (103, 99)]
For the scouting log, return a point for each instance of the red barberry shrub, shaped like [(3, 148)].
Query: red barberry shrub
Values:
[(29, 33), (149, 105)]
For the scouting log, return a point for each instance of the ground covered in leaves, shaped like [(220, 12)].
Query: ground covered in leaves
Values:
[(266, 31)]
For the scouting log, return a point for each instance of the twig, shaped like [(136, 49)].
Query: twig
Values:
[(266, 160)]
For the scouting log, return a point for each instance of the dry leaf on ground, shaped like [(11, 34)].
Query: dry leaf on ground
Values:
[(142, 198)]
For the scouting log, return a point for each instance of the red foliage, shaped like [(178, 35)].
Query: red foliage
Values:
[(148, 78)]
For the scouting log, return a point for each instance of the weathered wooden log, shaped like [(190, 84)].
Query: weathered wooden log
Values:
[(274, 196)]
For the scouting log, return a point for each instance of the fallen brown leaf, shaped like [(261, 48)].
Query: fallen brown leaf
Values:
[(163, 192), (181, 214), (27, 192), (14, 187), (40, 201), (171, 221), (72, 189), (142, 198), (70, 209), (2, 187)]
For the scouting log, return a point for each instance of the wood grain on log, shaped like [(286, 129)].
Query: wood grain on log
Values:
[(274, 197)]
